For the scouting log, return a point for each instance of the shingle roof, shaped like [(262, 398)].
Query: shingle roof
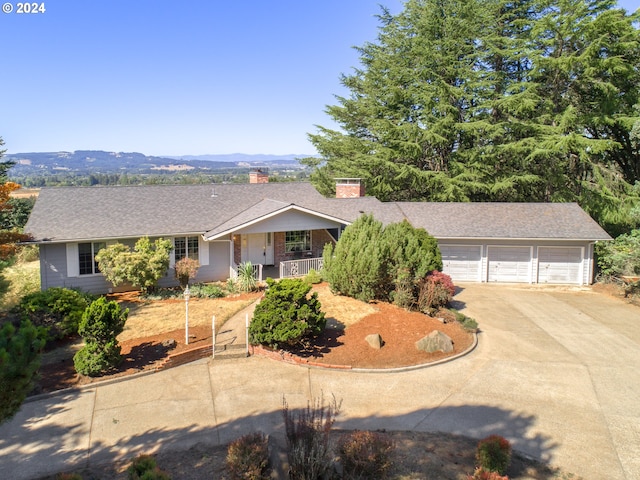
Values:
[(81, 213), (562, 221)]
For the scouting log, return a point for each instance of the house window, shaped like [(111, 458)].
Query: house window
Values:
[(186, 247), (87, 257), (297, 241)]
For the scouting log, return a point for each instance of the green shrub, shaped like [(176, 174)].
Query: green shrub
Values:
[(144, 467), (19, 361), (232, 285), (246, 280), (313, 277), (57, 309), (143, 267), (409, 252), (494, 454), (286, 316), (403, 295), (365, 454), (140, 465), (206, 290), (372, 262), (354, 266), (307, 432), (248, 457), (620, 257), (101, 323), (469, 324)]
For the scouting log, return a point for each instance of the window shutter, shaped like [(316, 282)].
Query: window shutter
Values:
[(203, 251), (172, 255), (73, 265)]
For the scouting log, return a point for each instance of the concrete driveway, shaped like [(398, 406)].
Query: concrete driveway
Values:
[(556, 371)]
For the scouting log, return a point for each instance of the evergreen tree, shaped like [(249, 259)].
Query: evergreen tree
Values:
[(101, 323), (287, 315), (354, 267), (19, 361), (493, 100)]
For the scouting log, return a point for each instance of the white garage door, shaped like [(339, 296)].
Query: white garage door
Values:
[(462, 263), (560, 265), (509, 264)]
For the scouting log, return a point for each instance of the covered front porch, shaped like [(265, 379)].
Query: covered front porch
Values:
[(280, 240), (286, 269)]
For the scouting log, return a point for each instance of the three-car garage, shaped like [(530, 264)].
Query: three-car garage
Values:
[(532, 263)]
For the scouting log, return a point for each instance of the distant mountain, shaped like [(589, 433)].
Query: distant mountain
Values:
[(86, 162)]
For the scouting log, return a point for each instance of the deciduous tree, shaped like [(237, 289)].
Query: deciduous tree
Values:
[(142, 267)]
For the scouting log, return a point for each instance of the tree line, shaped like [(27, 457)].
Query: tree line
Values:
[(231, 175)]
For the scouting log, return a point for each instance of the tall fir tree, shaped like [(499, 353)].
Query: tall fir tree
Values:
[(493, 100)]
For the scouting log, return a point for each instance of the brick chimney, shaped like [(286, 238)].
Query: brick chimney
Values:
[(259, 175), (349, 188)]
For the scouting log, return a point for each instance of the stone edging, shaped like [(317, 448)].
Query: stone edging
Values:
[(286, 357), (200, 353)]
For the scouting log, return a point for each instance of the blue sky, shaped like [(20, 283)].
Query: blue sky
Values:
[(179, 78)]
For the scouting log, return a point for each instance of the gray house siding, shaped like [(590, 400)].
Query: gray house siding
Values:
[(54, 269), (53, 272)]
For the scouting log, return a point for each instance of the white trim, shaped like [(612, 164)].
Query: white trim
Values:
[(273, 214), (203, 251), (73, 265)]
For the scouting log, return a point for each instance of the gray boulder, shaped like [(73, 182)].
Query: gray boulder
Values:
[(434, 342), (374, 340)]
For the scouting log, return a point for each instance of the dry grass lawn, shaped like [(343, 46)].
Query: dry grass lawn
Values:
[(347, 309), (22, 279), (148, 318)]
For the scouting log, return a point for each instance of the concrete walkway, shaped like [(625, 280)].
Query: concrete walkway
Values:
[(556, 371)]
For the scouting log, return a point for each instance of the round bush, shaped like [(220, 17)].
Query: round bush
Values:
[(365, 454), (494, 454), (286, 315)]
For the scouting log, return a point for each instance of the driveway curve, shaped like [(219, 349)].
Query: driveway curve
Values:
[(556, 371)]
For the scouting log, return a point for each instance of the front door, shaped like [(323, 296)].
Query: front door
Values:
[(259, 249)]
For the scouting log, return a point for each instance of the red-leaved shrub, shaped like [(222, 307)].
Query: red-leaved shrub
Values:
[(365, 454), (435, 291), (248, 457), (481, 474)]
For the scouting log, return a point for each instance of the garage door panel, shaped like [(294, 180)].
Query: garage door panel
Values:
[(463, 263), (509, 264), (560, 265)]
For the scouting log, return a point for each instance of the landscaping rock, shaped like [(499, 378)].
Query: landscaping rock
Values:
[(374, 340), (170, 343), (434, 342)]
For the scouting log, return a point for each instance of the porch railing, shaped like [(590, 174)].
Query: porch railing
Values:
[(299, 268), (257, 271)]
